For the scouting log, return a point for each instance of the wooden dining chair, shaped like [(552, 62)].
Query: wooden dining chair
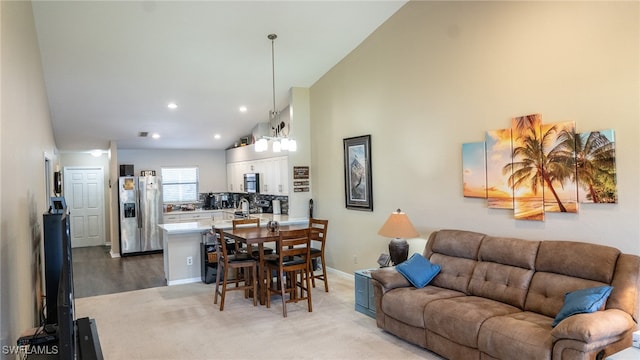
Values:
[(292, 260), (245, 273), (246, 222), (249, 222), (318, 238)]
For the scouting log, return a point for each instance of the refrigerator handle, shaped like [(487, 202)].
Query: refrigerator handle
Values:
[(140, 212)]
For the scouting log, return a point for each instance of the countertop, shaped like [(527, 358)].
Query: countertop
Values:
[(204, 225)]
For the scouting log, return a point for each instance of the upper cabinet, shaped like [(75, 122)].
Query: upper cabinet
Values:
[(274, 175)]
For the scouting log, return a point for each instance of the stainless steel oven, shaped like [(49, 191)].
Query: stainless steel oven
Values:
[(252, 183)]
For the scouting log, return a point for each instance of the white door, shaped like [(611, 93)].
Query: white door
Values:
[(84, 193)]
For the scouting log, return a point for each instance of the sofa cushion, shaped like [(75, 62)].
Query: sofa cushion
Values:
[(457, 243), (546, 292), (525, 333), (455, 273), (583, 301), (504, 283), (407, 304), (509, 251), (459, 319), (582, 260), (418, 270)]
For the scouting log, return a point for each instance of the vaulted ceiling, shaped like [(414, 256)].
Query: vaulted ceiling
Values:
[(112, 67)]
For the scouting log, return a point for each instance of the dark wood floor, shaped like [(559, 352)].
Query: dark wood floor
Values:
[(95, 272)]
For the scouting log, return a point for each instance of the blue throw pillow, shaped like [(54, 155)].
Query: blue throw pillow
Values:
[(418, 270), (582, 301)]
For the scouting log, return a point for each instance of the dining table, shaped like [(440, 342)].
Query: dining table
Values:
[(258, 236)]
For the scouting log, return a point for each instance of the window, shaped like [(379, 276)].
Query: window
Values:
[(179, 184)]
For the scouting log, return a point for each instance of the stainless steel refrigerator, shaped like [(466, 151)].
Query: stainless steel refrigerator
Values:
[(140, 213)]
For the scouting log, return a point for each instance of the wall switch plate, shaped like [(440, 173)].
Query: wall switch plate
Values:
[(636, 339)]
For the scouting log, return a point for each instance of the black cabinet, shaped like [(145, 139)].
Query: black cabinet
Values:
[(209, 262)]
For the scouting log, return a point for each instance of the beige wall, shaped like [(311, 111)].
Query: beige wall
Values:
[(25, 136), (211, 164), (439, 74)]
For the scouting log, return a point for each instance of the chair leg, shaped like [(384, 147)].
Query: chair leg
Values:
[(268, 289), (282, 291), (215, 297), (224, 289), (308, 293), (254, 281), (324, 275), (313, 276)]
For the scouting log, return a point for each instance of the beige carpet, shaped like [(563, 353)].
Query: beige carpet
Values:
[(181, 322)]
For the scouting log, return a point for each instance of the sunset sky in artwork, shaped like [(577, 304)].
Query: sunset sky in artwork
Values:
[(498, 155)]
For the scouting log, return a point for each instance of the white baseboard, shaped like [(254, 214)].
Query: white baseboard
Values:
[(340, 273), (114, 255), (184, 281)]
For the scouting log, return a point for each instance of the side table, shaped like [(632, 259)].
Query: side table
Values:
[(364, 293)]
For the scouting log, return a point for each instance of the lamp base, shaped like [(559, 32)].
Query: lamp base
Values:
[(398, 250)]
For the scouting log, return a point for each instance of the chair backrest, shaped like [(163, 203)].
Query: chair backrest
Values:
[(248, 222), (293, 243), (221, 244), (318, 232)]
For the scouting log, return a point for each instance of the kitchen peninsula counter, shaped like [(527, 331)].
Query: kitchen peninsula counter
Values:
[(182, 259)]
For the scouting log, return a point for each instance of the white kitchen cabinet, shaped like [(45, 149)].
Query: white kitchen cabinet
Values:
[(274, 175), (191, 216), (235, 176), (283, 168)]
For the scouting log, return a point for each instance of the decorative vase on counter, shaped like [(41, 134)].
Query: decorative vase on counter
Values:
[(273, 226)]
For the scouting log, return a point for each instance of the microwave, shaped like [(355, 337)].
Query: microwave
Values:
[(252, 183)]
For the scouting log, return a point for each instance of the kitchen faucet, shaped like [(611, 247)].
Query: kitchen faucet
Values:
[(245, 208)]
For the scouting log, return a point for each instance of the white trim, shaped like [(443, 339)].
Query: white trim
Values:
[(340, 273), (184, 281), (114, 255)]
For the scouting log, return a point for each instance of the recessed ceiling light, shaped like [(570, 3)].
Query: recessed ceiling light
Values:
[(216, 136), (96, 153), (243, 109), (155, 136), (172, 105)]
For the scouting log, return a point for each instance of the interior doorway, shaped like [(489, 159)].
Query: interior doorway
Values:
[(84, 193)]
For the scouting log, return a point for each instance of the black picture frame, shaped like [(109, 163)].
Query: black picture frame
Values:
[(358, 184)]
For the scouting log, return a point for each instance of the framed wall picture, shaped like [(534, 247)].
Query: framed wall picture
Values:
[(357, 173)]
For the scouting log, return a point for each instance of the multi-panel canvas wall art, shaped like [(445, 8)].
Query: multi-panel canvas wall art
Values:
[(474, 177), (596, 160), (535, 168), (499, 193)]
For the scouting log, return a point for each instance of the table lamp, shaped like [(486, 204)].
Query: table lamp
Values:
[(398, 227)]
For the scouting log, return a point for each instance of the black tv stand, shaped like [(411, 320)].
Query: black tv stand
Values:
[(38, 344)]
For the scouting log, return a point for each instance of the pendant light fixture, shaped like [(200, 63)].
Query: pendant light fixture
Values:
[(279, 142)]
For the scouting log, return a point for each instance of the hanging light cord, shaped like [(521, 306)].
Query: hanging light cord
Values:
[(272, 37)]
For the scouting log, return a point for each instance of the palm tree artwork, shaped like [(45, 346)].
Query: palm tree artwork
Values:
[(499, 193), (596, 167), (535, 168), (526, 168)]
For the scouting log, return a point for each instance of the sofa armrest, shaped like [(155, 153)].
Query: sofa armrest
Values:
[(591, 327), (390, 278)]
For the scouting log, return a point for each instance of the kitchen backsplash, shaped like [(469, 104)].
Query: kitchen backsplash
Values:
[(257, 202)]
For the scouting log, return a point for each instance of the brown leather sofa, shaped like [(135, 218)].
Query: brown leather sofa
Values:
[(496, 298)]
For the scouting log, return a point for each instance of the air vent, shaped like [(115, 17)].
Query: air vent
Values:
[(143, 134)]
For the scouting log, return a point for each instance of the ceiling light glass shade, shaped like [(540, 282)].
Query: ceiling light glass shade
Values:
[(276, 146), (284, 144), (261, 145)]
